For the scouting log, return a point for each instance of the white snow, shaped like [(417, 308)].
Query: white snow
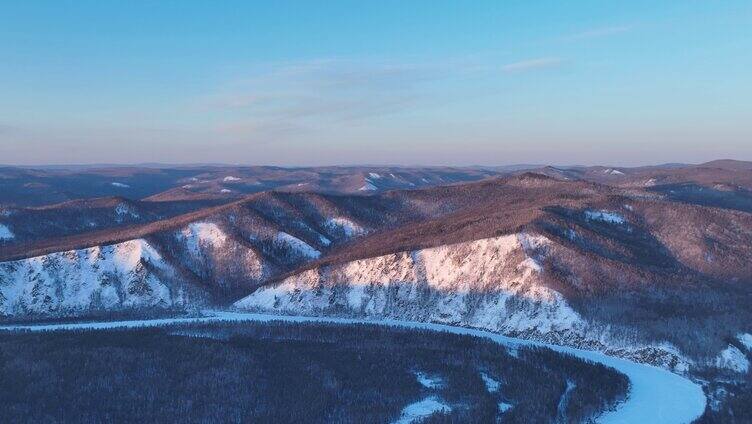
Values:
[(732, 359), (613, 172), (746, 340), (348, 227), (324, 240), (302, 248), (198, 234), (497, 267), (123, 209), (230, 178), (532, 264), (492, 385), (121, 185), (103, 276), (605, 216), (6, 233), (368, 186), (415, 412), (374, 175), (429, 381), (504, 407), (656, 395), (224, 190)]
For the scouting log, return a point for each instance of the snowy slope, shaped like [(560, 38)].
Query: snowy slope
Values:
[(344, 226), (491, 283), (296, 245), (215, 256), (131, 274), (494, 284), (6, 233)]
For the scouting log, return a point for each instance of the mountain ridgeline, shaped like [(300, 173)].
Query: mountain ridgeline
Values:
[(602, 258)]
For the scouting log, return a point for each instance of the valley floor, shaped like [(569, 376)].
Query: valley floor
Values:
[(655, 395)]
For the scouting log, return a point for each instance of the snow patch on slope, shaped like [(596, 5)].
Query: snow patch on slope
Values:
[(492, 385), (120, 185), (299, 246), (746, 340), (230, 179), (199, 234), (418, 411), (732, 359), (123, 209), (324, 240), (368, 186), (6, 233), (605, 216), (349, 228), (429, 381)]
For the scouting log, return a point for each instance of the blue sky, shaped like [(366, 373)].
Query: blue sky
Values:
[(354, 82)]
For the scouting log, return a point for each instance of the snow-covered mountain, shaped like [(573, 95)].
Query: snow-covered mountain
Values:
[(490, 283), (628, 271), (131, 274), (493, 284)]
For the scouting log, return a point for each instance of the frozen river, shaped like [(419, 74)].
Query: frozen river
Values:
[(656, 395)]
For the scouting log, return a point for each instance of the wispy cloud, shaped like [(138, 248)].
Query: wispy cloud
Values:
[(321, 92), (532, 64), (599, 32)]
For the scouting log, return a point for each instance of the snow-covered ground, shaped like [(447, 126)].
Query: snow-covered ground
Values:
[(434, 284), (733, 359), (348, 227), (746, 340), (97, 277), (429, 381), (299, 246), (605, 216), (417, 411), (656, 395), (6, 233), (492, 385), (368, 186), (123, 209), (201, 233)]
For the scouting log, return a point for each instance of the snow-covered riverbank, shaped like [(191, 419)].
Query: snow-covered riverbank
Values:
[(656, 395)]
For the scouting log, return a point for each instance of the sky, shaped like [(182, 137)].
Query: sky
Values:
[(375, 82)]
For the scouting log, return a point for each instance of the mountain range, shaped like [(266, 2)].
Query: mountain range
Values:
[(653, 264)]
